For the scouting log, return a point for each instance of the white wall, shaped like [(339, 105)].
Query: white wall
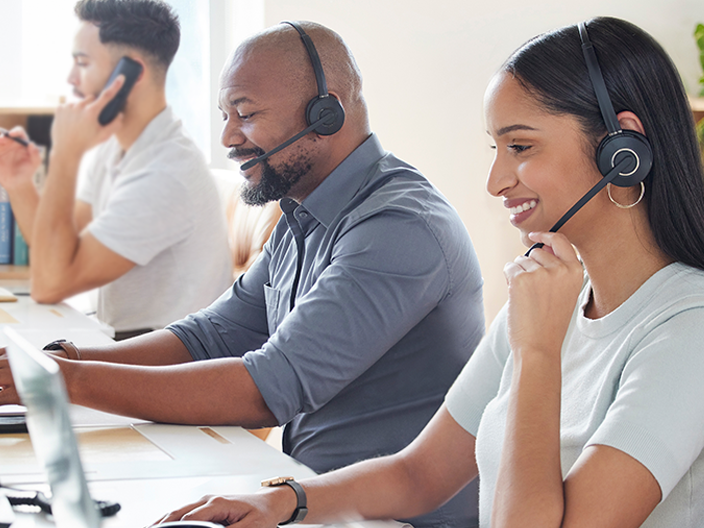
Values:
[(231, 21), (10, 17), (426, 65), (34, 64)]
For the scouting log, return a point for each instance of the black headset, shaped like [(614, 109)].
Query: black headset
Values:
[(324, 113), (619, 143), (624, 157), (323, 107)]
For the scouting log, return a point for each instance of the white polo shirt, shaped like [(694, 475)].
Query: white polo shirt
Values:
[(157, 205)]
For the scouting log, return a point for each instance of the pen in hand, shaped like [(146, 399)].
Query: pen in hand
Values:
[(13, 138)]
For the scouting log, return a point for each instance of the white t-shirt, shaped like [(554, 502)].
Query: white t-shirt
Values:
[(157, 205), (633, 380)]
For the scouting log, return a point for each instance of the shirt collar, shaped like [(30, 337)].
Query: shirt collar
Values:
[(343, 183), (158, 127)]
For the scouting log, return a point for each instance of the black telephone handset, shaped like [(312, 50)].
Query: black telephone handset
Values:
[(131, 69)]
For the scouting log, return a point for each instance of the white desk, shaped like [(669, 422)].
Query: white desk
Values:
[(43, 323), (150, 469)]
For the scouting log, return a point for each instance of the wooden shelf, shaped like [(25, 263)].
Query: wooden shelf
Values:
[(35, 117), (20, 113), (26, 108), (697, 104), (10, 272)]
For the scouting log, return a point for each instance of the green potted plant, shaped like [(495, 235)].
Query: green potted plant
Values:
[(699, 38)]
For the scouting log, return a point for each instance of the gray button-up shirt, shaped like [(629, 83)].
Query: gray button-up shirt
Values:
[(388, 309)]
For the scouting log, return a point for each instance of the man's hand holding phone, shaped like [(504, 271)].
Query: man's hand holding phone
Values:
[(76, 129), (80, 126)]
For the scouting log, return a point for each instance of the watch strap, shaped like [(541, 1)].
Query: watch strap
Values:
[(71, 350), (301, 507)]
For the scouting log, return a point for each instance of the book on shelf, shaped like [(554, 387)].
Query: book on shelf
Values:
[(20, 251), (13, 246), (6, 230)]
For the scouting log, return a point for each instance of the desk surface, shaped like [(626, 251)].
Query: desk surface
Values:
[(151, 469), (43, 323), (148, 468)]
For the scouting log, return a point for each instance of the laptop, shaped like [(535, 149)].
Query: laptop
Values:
[(41, 387)]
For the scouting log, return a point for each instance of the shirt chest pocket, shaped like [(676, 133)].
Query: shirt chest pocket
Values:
[(275, 308)]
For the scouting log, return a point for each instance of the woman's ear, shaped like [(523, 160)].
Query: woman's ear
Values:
[(629, 121)]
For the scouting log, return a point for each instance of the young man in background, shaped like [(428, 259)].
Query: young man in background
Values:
[(144, 224)]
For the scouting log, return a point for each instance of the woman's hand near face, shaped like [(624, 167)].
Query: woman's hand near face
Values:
[(542, 292)]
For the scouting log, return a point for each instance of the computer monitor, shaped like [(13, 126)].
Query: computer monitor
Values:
[(41, 387)]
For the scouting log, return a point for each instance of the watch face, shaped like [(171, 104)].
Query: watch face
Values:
[(276, 481)]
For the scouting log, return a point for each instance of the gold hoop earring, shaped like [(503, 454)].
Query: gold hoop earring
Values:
[(642, 192)]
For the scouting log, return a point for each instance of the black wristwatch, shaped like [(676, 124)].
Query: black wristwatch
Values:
[(301, 510), (71, 350)]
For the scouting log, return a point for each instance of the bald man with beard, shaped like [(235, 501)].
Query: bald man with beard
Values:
[(353, 345)]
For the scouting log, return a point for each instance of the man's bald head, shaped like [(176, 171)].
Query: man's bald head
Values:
[(280, 50), (264, 92)]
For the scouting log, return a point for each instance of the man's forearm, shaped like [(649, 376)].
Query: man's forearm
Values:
[(24, 200), (215, 392), (54, 235), (158, 348)]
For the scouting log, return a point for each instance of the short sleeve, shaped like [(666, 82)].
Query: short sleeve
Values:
[(146, 213), (391, 273), (479, 381), (657, 416)]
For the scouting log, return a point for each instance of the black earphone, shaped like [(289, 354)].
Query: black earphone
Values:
[(324, 113), (323, 108), (624, 157), (618, 143)]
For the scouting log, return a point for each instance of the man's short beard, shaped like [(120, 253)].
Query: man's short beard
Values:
[(273, 184)]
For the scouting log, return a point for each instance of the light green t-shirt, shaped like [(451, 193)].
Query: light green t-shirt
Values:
[(633, 380)]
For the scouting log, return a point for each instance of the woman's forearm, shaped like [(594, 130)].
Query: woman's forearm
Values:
[(529, 489)]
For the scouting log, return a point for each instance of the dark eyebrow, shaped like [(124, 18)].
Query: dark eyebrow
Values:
[(511, 128), (239, 101), (227, 103)]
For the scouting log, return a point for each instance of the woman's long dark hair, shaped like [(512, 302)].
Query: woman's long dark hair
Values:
[(639, 77)]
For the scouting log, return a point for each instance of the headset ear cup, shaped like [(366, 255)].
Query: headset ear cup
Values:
[(328, 108), (626, 143)]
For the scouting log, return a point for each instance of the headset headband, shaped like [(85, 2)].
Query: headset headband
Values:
[(314, 59), (602, 95)]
